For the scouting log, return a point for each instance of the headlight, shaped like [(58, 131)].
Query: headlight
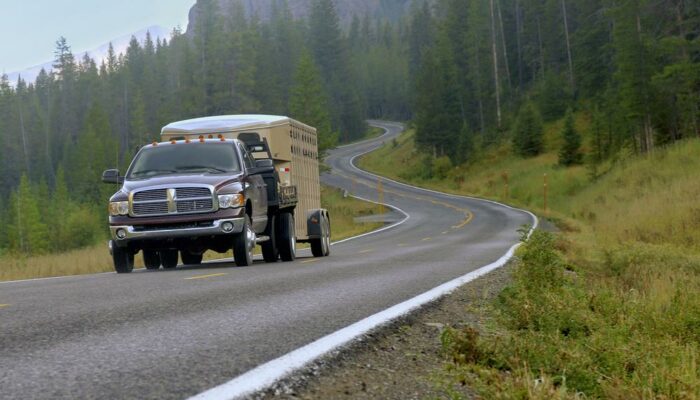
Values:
[(231, 200), (118, 208)]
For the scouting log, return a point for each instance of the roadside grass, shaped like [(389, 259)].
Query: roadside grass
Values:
[(96, 259), (608, 308)]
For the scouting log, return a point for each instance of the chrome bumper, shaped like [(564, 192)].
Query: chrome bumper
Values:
[(129, 233)]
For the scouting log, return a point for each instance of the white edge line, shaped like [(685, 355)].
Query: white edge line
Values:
[(265, 375), (394, 225)]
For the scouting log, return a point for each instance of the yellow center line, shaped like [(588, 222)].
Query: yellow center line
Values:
[(427, 239), (206, 276), (366, 251), (4, 305), (445, 233), (470, 217), (309, 261)]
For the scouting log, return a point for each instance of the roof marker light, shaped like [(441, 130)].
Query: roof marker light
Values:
[(221, 137), (201, 138), (155, 143), (211, 136), (173, 141), (187, 140)]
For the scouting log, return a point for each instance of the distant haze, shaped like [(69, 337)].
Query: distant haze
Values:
[(98, 54), (30, 28)]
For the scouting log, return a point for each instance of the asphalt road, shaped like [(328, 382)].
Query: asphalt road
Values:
[(173, 334)]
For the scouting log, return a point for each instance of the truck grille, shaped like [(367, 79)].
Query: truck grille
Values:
[(184, 200)]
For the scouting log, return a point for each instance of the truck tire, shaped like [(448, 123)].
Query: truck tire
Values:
[(191, 258), (286, 237), (243, 245), (123, 260), (168, 258), (321, 247), (270, 251), (151, 259)]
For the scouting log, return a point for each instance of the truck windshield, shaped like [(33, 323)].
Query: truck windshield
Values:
[(208, 158)]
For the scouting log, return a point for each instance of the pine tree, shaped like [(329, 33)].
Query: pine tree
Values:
[(570, 153), (28, 234), (308, 102), (527, 138)]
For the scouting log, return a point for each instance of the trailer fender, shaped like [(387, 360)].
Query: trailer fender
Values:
[(314, 225)]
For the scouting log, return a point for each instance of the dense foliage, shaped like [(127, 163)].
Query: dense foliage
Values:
[(461, 70)]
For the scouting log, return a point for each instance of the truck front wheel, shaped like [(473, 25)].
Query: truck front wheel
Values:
[(286, 237), (151, 259), (243, 245), (123, 260), (168, 258)]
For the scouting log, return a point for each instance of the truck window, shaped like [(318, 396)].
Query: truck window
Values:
[(247, 158), (196, 158)]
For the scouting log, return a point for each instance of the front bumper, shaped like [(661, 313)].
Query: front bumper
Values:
[(121, 234)]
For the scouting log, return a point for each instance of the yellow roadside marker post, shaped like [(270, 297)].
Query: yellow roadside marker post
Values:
[(545, 194), (380, 196)]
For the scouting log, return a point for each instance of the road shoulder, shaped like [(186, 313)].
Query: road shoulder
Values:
[(401, 360)]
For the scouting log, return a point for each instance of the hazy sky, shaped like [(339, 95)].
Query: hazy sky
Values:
[(29, 28)]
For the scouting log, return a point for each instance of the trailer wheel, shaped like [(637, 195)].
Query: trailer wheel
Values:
[(168, 258), (269, 249), (151, 259), (189, 258), (321, 247), (286, 237), (123, 260), (243, 245)]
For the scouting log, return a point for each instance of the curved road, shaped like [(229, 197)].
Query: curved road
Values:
[(174, 334)]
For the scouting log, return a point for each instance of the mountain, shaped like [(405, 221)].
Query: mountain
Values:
[(389, 9), (98, 54)]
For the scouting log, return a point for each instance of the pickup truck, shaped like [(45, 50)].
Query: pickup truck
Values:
[(210, 190)]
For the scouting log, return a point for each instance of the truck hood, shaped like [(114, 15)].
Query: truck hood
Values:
[(217, 181)]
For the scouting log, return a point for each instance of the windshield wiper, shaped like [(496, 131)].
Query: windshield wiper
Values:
[(202, 167)]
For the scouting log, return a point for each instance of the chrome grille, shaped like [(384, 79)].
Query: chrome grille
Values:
[(150, 208), (193, 192), (152, 195), (184, 200), (186, 206)]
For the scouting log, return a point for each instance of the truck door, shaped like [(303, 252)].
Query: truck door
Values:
[(256, 192)]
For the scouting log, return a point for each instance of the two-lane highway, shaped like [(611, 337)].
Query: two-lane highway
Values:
[(174, 334)]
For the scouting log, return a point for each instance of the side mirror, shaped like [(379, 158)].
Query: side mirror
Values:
[(264, 163), (112, 176), (264, 166)]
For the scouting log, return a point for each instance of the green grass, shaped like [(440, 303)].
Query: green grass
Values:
[(610, 307), (96, 258)]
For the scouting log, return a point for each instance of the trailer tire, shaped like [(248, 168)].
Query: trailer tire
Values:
[(123, 259), (191, 258), (270, 251), (321, 247), (243, 245), (151, 259), (168, 258), (286, 237)]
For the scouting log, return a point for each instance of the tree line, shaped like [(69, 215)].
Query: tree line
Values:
[(469, 74), (490, 70)]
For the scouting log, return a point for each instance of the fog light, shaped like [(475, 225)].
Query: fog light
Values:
[(227, 227), (121, 233)]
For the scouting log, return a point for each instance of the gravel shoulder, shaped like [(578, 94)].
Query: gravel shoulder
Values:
[(401, 360)]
